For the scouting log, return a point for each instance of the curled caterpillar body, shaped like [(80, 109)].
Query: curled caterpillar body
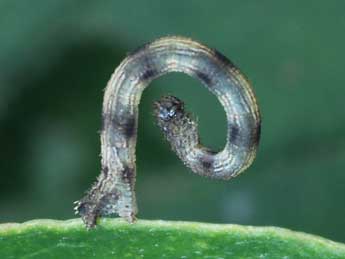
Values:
[(113, 191), (180, 129)]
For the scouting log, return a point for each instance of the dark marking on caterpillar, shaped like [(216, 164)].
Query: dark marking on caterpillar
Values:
[(105, 171), (126, 126), (223, 59), (128, 173), (114, 192), (257, 135), (234, 134), (129, 128), (149, 73), (204, 77), (207, 161)]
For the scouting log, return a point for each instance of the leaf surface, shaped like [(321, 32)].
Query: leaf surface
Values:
[(115, 238)]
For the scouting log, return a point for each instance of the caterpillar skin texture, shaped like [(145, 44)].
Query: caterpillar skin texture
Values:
[(113, 192)]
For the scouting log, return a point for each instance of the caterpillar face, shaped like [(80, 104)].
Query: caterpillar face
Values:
[(168, 108)]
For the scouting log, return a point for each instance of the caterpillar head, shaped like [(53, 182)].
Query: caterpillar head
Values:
[(168, 108)]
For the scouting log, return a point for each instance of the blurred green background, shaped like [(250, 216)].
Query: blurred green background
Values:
[(57, 56)]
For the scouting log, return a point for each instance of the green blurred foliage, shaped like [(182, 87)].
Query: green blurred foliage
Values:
[(56, 57)]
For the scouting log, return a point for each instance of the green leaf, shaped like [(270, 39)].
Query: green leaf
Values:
[(115, 238)]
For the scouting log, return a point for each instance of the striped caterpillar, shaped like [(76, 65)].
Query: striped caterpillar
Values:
[(113, 192)]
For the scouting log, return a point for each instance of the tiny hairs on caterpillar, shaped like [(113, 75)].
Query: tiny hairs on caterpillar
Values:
[(114, 190)]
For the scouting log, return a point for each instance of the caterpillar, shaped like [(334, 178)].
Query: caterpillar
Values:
[(114, 190)]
